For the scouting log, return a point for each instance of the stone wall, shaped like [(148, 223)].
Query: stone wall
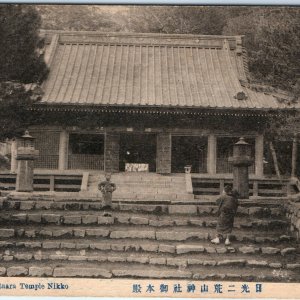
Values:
[(293, 214)]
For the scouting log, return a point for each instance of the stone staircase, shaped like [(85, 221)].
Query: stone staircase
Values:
[(143, 186), (67, 237)]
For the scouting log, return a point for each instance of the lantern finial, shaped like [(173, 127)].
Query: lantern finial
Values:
[(26, 135), (242, 141)]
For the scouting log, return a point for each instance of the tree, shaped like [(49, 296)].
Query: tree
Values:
[(21, 63), (15, 103), (177, 19), (272, 39), (20, 44), (77, 17)]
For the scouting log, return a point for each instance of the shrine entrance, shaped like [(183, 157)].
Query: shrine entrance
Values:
[(189, 150), (137, 152)]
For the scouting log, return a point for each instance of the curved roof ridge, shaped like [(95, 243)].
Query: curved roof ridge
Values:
[(138, 34)]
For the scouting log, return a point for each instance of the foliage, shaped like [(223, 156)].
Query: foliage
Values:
[(76, 17), (272, 39), (15, 103), (21, 63), (177, 19), (20, 59)]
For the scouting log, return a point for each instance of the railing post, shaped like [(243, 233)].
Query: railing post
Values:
[(52, 183), (84, 181), (188, 179), (294, 156), (255, 188), (222, 184), (288, 188)]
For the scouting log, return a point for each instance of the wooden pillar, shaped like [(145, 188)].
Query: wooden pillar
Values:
[(63, 150), (164, 152), (212, 154), (111, 152), (259, 155), (275, 161), (13, 161), (294, 157)]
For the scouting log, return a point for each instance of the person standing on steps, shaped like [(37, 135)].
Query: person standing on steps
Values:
[(107, 188), (228, 204)]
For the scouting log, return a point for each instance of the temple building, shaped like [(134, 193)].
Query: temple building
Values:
[(155, 103)]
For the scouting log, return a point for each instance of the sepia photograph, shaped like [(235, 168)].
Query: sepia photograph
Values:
[(152, 144)]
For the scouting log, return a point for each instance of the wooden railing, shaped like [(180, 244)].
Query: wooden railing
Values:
[(267, 187), (8, 181), (57, 183)]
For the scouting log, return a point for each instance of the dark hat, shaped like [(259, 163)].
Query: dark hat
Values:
[(228, 189)]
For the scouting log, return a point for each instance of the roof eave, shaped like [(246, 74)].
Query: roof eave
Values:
[(160, 109)]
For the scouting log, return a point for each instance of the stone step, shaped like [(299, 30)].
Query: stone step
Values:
[(140, 191), (131, 177), (141, 180), (121, 217), (153, 196), (144, 183), (101, 269), (144, 187), (183, 260), (95, 204), (205, 248), (125, 232), (143, 190)]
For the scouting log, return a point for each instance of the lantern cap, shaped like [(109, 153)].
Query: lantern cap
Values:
[(27, 136), (241, 142)]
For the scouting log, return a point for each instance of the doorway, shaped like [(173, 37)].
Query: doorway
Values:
[(189, 150), (137, 149)]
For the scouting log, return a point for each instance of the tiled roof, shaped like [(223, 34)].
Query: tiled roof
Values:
[(90, 68)]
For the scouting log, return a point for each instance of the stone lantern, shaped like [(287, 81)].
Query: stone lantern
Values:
[(26, 154), (241, 160)]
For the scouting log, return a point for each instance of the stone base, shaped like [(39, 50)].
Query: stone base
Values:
[(24, 181)]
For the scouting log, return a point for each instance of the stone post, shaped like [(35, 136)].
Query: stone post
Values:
[(241, 161), (26, 154)]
